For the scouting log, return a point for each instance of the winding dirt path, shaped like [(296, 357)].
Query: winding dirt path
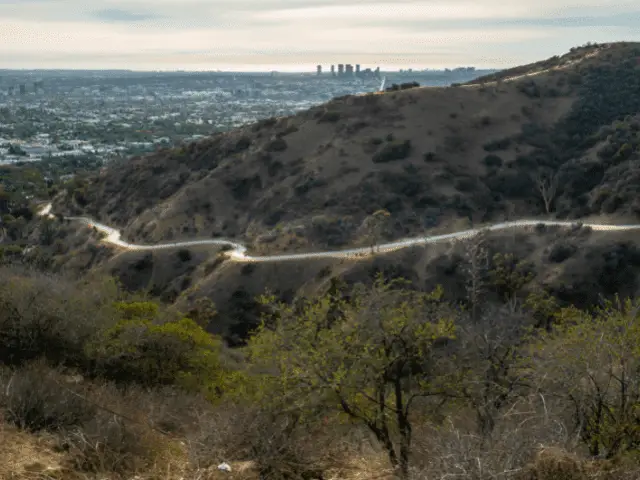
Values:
[(238, 252)]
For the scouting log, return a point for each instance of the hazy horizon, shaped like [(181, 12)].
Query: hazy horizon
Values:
[(310, 71), (296, 35)]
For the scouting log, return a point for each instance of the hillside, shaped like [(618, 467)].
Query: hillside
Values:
[(427, 155), (438, 159), (508, 355)]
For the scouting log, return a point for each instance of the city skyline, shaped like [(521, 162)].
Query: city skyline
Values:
[(297, 35)]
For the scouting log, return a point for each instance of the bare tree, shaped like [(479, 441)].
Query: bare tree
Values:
[(489, 352), (477, 267), (547, 183)]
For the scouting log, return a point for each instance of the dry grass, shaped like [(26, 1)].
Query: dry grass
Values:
[(26, 456), (530, 443)]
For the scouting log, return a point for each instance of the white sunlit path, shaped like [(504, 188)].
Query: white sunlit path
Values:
[(238, 252)]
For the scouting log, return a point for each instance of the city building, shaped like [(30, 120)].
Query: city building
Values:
[(333, 70), (340, 69), (357, 69), (319, 70), (349, 70)]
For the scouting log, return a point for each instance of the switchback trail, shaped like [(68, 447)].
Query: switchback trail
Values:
[(238, 252)]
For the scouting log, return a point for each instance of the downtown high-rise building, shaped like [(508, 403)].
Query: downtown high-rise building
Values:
[(319, 70), (340, 69), (333, 70)]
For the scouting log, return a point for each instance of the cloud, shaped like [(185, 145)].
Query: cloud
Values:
[(198, 34), (118, 15)]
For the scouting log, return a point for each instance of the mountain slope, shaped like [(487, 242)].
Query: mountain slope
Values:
[(428, 155), (439, 159)]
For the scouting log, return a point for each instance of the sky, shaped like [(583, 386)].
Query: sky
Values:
[(296, 35)]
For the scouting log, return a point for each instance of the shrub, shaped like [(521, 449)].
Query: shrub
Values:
[(407, 85), (151, 352), (329, 117), (500, 144), (242, 187), (211, 265), (248, 269), (492, 161), (184, 255), (465, 184), (308, 184), (540, 228), (561, 252), (43, 316), (267, 122), (35, 399), (430, 157), (278, 144), (124, 436), (455, 143), (395, 150), (243, 143)]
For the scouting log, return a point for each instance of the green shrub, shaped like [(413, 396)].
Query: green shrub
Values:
[(149, 352)]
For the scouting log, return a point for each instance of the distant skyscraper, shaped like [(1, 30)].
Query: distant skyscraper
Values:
[(349, 70), (340, 69), (333, 70), (377, 72), (319, 70), (357, 69)]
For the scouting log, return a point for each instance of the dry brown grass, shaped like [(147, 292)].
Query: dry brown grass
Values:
[(26, 456)]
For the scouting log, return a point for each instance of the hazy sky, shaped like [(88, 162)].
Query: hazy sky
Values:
[(298, 34)]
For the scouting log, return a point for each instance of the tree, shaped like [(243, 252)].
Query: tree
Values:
[(509, 275), (477, 266), (47, 231), (374, 225), (203, 311), (16, 150), (489, 350), (591, 361), (547, 184), (371, 363)]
